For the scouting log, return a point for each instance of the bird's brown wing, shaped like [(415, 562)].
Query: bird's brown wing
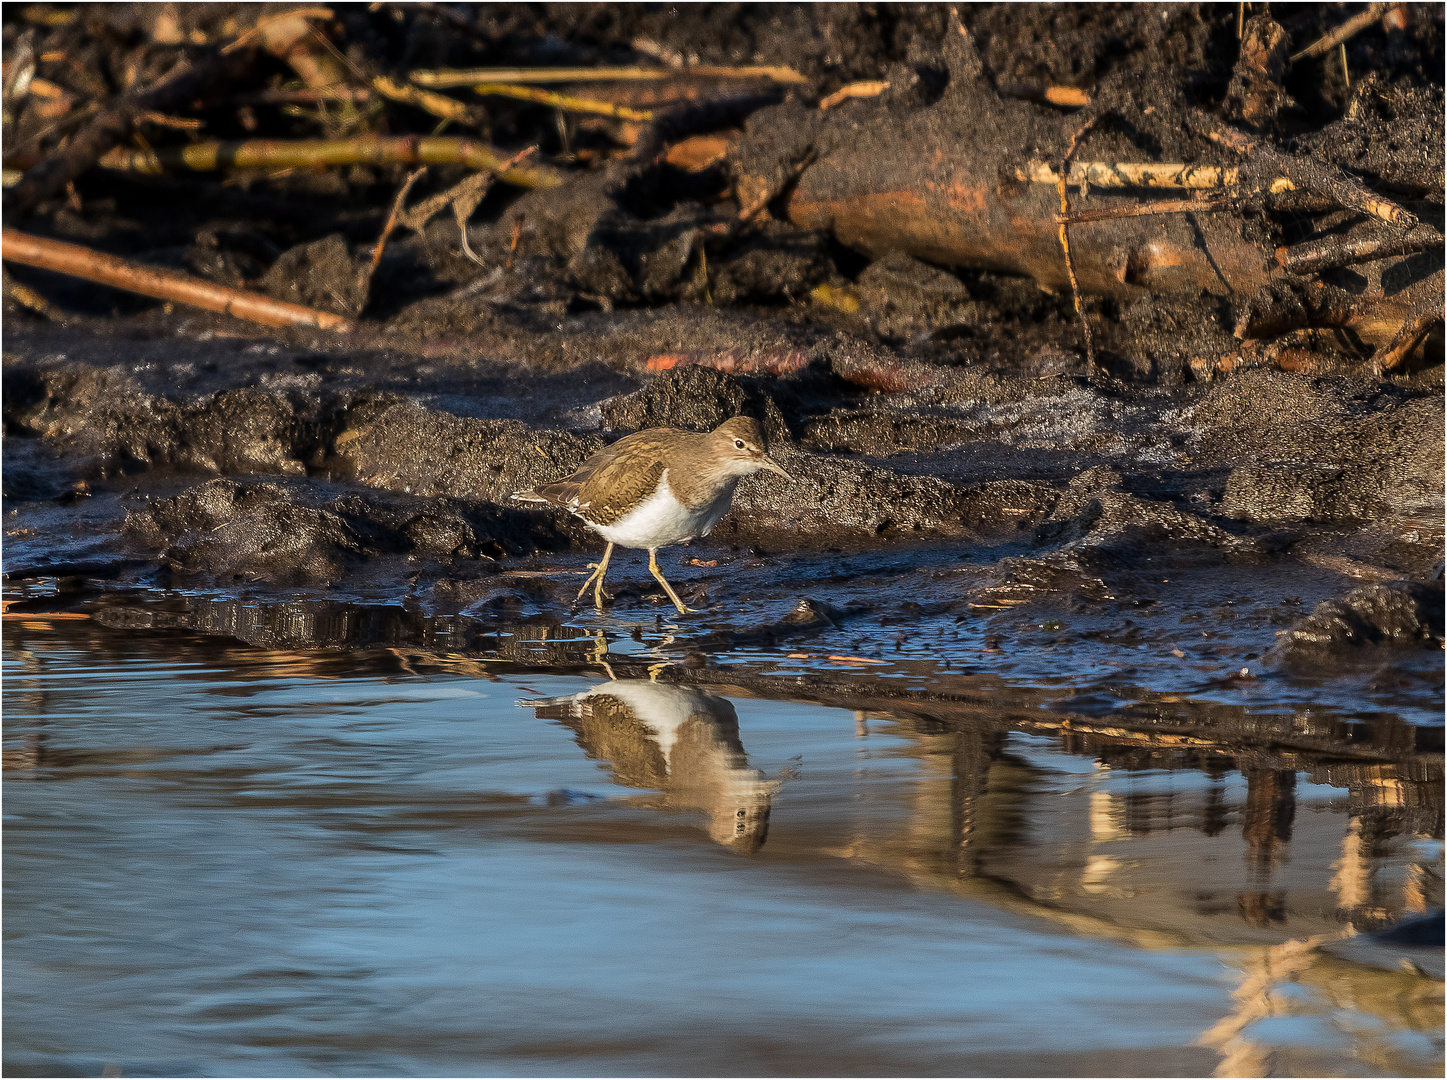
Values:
[(614, 480)]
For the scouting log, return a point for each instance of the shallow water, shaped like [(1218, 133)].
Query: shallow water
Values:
[(223, 860)]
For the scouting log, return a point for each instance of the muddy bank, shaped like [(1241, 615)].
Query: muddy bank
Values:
[(1230, 452)]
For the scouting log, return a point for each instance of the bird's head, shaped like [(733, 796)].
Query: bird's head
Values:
[(740, 446)]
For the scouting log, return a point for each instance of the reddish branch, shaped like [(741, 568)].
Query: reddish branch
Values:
[(81, 262)]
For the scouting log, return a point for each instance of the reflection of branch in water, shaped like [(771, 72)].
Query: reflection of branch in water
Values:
[(974, 751), (677, 740), (1266, 822), (1254, 1001)]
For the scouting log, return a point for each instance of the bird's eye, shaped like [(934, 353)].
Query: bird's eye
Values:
[(739, 444)]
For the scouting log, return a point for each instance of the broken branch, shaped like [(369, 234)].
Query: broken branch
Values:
[(1413, 330), (387, 228), (314, 153), (1112, 174), (1332, 251), (1313, 174), (81, 262), (439, 105), (1063, 221), (442, 79), (853, 90), (567, 102), (1327, 42), (1115, 213), (1066, 97)]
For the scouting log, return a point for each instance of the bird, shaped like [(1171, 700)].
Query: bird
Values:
[(658, 487)]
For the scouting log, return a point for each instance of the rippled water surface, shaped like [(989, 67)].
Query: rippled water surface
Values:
[(227, 861)]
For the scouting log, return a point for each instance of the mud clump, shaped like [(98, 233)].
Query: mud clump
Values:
[(293, 534), (322, 274), (695, 399), (1400, 614), (102, 418)]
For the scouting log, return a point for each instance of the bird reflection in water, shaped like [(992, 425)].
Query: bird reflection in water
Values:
[(677, 740)]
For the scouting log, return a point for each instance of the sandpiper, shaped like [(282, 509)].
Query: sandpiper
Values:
[(658, 487)]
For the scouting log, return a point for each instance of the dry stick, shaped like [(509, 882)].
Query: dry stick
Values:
[(1310, 173), (118, 119), (1065, 238), (439, 105), (471, 189), (1172, 206), (1339, 36), (567, 102), (1405, 340), (386, 233), (464, 198), (282, 16), (82, 262), (1067, 97), (853, 90), (308, 95), (312, 153), (1113, 174), (443, 79), (1316, 255), (748, 213)]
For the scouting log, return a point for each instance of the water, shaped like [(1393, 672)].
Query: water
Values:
[(222, 860)]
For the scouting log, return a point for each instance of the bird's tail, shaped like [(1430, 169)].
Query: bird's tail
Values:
[(529, 496)]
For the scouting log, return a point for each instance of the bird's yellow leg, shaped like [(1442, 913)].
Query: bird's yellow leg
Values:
[(653, 565), (600, 568)]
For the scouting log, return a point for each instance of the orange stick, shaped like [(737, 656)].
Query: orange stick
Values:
[(82, 262)]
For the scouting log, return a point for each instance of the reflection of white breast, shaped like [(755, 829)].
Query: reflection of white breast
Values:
[(662, 709)]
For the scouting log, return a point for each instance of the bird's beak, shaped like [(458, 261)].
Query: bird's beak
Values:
[(769, 463)]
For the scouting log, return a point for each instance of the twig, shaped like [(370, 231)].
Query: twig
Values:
[(1067, 97), (736, 361), (1324, 44), (1405, 340), (1317, 255), (442, 79), (1063, 226), (439, 105), (76, 261), (391, 224), (306, 95), (116, 122), (463, 198), (567, 102), (1111, 174), (1173, 206), (853, 90), (1310, 173), (315, 153), (31, 299), (770, 194), (417, 218), (266, 24)]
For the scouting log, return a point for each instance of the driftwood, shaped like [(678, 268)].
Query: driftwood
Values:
[(76, 261), (914, 185)]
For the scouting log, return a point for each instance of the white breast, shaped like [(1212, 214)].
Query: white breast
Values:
[(661, 520)]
